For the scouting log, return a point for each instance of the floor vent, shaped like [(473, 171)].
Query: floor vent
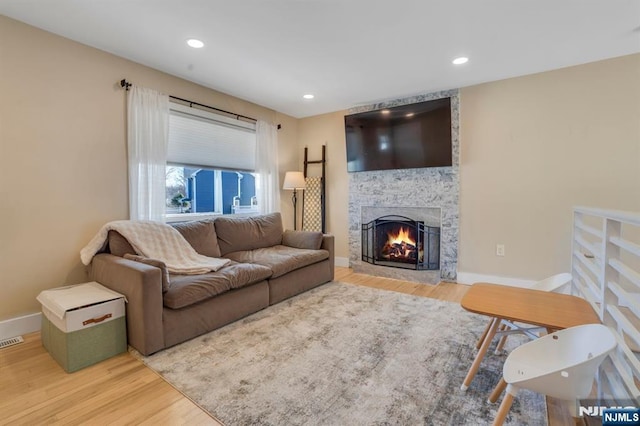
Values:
[(10, 342)]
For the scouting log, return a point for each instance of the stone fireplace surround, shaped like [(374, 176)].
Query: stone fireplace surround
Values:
[(425, 188)]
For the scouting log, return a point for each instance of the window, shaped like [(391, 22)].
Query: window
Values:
[(210, 165)]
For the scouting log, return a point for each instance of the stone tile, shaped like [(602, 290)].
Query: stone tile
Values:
[(413, 189)]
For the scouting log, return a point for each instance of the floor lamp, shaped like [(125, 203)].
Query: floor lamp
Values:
[(294, 181)]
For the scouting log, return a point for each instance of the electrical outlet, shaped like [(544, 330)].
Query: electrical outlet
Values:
[(499, 249)]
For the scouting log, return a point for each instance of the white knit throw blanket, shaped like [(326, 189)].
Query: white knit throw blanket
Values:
[(155, 240)]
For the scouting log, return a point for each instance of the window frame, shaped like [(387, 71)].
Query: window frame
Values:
[(222, 120)]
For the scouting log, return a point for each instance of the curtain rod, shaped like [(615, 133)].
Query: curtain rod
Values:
[(125, 84)]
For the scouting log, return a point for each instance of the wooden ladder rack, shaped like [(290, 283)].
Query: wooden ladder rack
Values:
[(322, 162)]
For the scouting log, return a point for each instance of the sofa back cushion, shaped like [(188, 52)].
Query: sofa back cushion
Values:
[(302, 239), (119, 245), (248, 233), (201, 234)]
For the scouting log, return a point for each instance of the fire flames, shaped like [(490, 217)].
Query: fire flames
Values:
[(400, 246), (402, 236)]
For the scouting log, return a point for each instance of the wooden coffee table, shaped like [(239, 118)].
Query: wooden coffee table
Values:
[(552, 311)]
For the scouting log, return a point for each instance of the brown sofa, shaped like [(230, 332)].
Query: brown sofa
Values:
[(267, 266)]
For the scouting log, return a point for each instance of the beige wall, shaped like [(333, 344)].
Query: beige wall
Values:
[(533, 147), (289, 155), (328, 129), (63, 165)]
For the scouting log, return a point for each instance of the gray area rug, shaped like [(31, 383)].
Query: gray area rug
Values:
[(345, 355)]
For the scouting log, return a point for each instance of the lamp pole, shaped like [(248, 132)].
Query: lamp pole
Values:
[(294, 198)]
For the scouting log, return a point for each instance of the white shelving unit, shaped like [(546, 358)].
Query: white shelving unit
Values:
[(605, 265)]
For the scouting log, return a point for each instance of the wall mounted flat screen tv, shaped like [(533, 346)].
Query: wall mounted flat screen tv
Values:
[(403, 137)]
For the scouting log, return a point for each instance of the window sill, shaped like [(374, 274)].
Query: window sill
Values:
[(186, 217)]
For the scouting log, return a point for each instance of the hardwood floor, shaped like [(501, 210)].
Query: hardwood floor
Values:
[(34, 389), (451, 292)]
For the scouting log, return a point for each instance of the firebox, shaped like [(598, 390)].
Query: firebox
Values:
[(401, 242)]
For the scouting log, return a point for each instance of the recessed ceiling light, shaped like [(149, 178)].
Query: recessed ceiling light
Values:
[(385, 111), (308, 96), (461, 60), (410, 114), (195, 43)]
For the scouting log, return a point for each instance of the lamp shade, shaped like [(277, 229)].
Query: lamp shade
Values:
[(294, 180)]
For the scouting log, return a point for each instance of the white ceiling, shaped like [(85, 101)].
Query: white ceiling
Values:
[(345, 52)]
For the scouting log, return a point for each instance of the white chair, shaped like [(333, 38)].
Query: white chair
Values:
[(549, 284), (561, 365)]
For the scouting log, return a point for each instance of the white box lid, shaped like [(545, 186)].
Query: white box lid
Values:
[(62, 299)]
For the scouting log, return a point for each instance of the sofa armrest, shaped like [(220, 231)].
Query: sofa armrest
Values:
[(142, 286), (328, 243)]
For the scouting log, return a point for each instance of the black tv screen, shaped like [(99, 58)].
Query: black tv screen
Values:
[(403, 137)]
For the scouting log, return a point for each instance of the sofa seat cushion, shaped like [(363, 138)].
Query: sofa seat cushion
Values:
[(189, 289), (280, 259)]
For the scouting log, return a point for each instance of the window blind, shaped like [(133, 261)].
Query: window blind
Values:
[(199, 138)]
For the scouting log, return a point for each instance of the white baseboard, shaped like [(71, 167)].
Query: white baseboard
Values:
[(341, 261), (470, 278), (20, 325)]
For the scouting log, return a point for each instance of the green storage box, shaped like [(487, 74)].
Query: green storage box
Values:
[(83, 324)]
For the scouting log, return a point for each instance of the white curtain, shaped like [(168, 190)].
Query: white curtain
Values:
[(268, 188), (148, 139)]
